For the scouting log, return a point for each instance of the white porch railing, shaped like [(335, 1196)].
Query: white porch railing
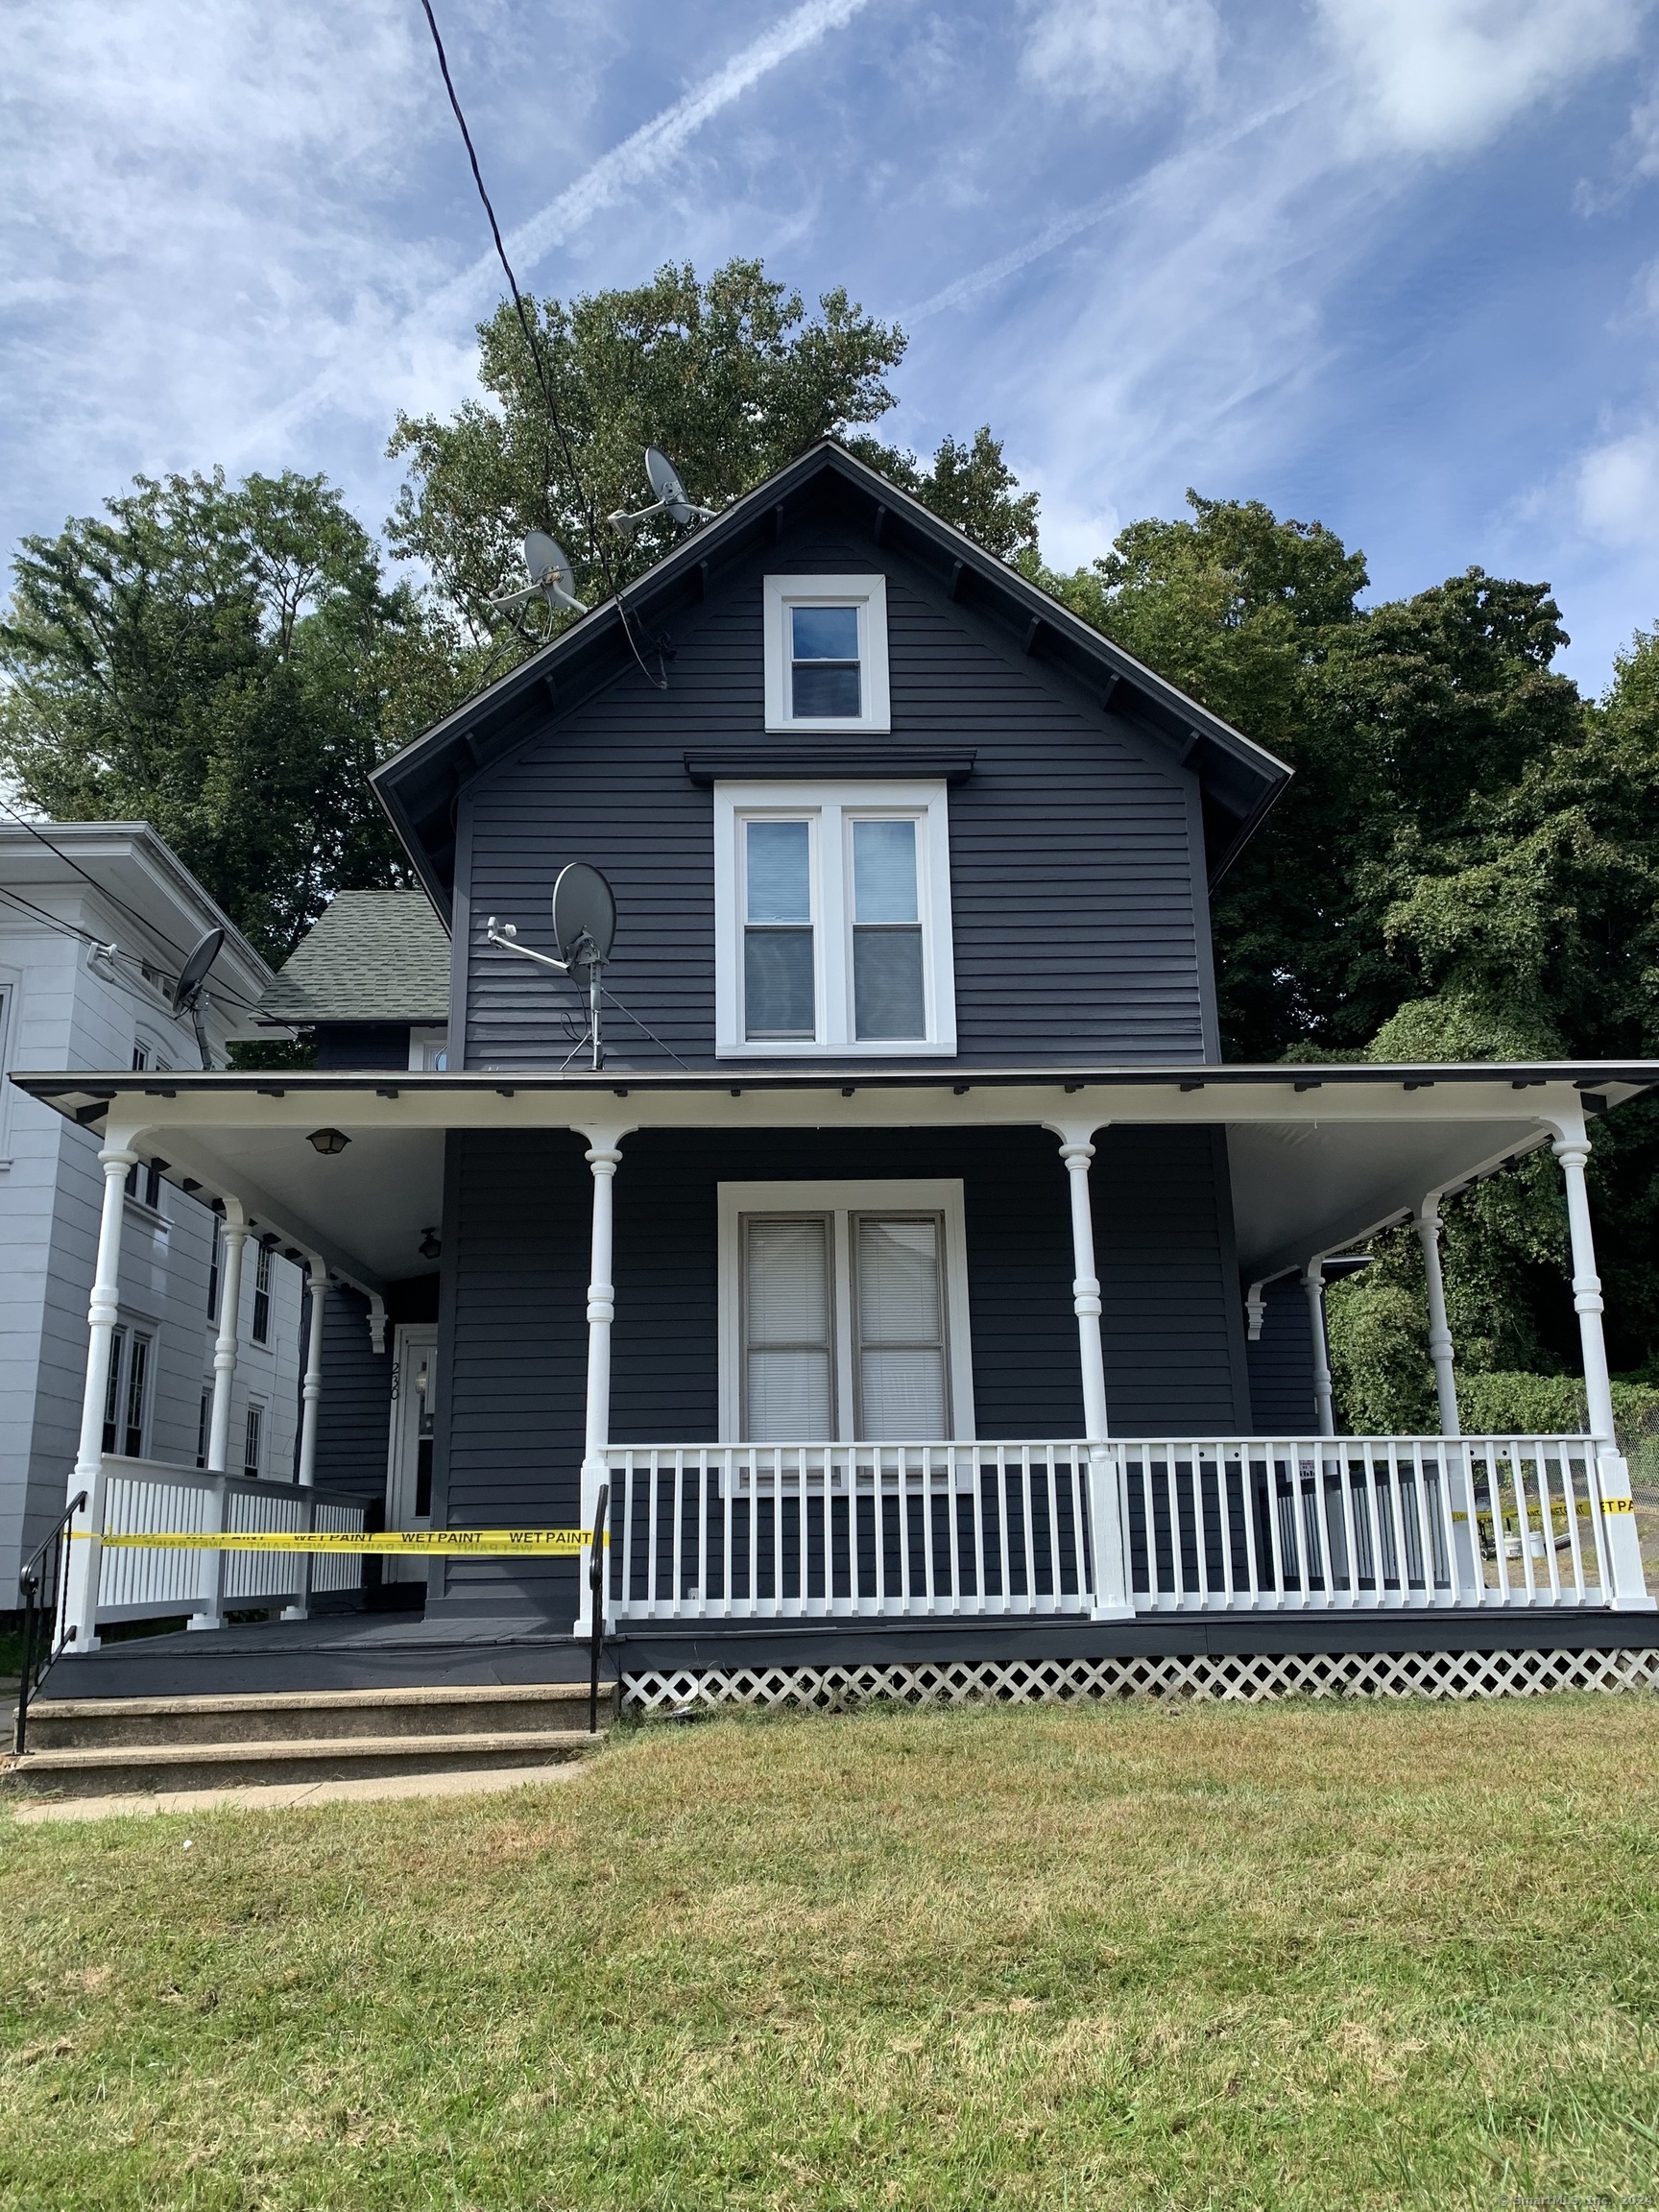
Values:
[(1228, 1524), (146, 1497)]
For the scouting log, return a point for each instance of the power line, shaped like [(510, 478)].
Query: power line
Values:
[(589, 514)]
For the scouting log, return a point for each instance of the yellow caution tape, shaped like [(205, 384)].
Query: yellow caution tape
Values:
[(1615, 1506), (556, 1543)]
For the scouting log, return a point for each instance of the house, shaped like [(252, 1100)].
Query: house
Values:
[(911, 1286), (95, 920)]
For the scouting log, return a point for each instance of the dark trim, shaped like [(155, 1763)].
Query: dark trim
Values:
[(1208, 1013), (834, 756), (461, 940), (449, 1262)]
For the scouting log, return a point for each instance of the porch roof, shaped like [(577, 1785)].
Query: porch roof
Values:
[(1321, 1156)]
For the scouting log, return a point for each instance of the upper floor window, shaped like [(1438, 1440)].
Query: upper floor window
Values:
[(826, 653), (262, 1295), (833, 920)]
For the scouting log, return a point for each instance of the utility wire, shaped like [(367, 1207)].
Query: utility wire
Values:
[(590, 513), (227, 998)]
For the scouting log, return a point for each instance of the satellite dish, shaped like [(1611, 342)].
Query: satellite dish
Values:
[(672, 498), (552, 579), (584, 916), (189, 989)]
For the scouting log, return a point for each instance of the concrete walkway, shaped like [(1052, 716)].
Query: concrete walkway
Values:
[(280, 1796)]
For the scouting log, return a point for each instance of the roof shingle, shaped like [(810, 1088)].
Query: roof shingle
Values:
[(370, 956)]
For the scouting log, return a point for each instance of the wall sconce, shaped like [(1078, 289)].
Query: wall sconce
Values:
[(328, 1140)]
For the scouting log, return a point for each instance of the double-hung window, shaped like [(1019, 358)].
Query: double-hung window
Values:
[(254, 1441), (825, 639), (127, 1393), (844, 1313), (833, 923), (262, 1295)]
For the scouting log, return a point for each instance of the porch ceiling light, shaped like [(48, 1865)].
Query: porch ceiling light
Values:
[(429, 1247), (328, 1140)]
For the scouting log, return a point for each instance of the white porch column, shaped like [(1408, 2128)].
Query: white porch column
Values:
[(235, 1232), (1428, 1226), (1572, 1146), (1324, 1407), (1113, 1600), (103, 1311), (1572, 1152), (310, 1400), (211, 1588), (604, 1158)]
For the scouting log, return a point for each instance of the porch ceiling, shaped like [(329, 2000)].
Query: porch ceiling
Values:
[(1321, 1156)]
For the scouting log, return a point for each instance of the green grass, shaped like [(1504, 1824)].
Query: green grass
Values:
[(1291, 1956)]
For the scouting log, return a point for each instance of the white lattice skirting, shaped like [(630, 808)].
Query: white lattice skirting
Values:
[(1245, 1676)]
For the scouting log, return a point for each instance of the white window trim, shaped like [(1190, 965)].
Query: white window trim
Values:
[(256, 1404), (839, 1199), (426, 1045), (869, 594), (787, 798)]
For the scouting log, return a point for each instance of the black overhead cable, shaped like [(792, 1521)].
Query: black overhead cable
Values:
[(227, 998), (526, 323)]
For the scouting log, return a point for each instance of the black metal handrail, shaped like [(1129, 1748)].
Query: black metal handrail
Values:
[(596, 1604), (43, 1587)]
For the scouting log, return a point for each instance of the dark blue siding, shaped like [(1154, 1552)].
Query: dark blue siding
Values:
[(1281, 1363), (1071, 821), (516, 1261), (351, 1426)]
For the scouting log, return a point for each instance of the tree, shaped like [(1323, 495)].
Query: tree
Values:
[(225, 662), (732, 378)]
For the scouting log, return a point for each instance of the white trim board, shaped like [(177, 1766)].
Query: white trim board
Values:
[(938, 1195)]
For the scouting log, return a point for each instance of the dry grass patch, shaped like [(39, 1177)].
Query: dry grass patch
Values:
[(1294, 1955)]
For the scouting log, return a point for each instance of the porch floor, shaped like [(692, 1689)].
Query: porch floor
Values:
[(365, 1651)]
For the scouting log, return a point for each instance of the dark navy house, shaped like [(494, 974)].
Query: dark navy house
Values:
[(914, 1283)]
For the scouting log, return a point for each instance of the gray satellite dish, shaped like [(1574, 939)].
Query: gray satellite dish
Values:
[(188, 990), (552, 579), (584, 915), (672, 498)]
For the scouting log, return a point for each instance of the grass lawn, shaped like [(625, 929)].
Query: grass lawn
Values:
[(1294, 1955)]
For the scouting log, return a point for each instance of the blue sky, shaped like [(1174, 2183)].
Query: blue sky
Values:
[(1389, 263)]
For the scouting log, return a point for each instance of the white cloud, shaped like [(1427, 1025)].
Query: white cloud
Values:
[(1618, 489), (1443, 77), (1129, 53)]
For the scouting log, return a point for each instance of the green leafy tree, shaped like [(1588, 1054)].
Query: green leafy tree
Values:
[(730, 376), (225, 662)]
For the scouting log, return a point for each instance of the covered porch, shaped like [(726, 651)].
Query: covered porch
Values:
[(614, 1392)]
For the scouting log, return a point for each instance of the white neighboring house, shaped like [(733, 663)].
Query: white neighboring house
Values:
[(65, 1002)]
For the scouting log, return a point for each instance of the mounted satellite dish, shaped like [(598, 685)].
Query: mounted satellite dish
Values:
[(584, 915), (584, 930), (190, 990), (672, 498), (552, 579)]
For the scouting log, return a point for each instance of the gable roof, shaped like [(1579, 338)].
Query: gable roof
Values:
[(369, 956), (1238, 778)]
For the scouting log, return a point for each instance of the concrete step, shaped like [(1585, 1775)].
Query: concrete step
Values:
[(166, 1766), (289, 1716)]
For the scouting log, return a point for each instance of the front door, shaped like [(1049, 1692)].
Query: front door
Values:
[(409, 1472)]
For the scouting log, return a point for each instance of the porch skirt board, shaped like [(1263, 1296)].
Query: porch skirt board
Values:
[(1248, 1677)]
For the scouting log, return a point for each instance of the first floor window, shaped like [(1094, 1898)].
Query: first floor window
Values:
[(127, 1393), (203, 1423), (844, 1313), (832, 929), (254, 1441), (262, 1295)]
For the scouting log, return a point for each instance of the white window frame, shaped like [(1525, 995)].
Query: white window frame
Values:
[(827, 807), (838, 1200), (868, 595), (428, 1050), (261, 1407)]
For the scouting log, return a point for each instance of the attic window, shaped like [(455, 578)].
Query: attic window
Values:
[(826, 653)]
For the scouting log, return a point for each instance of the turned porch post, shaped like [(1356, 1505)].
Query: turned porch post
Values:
[(1324, 1407), (235, 1232), (604, 1157), (310, 1401), (1428, 1226), (102, 1311), (1112, 1596)]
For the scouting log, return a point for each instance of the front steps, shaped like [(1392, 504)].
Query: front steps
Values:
[(107, 1746)]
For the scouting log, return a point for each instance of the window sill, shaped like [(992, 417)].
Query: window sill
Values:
[(910, 1048)]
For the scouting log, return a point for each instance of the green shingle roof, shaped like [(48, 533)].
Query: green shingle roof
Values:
[(372, 956)]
